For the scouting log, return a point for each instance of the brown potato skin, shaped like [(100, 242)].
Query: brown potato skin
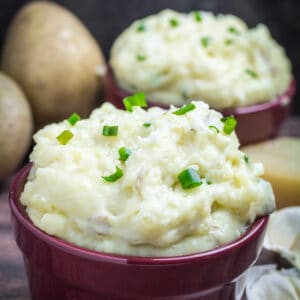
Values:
[(15, 126), (53, 57)]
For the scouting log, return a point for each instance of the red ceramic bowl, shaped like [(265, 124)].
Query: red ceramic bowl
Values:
[(256, 123), (59, 270)]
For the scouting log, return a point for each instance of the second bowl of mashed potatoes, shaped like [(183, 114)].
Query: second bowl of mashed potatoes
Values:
[(175, 57)]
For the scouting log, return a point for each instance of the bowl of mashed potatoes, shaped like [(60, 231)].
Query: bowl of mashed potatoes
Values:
[(139, 204), (175, 57)]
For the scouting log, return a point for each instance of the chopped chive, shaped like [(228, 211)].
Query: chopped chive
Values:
[(141, 27), (137, 99), (147, 124), (214, 128), (197, 16), (228, 42), (115, 176), (124, 153), (173, 22), (233, 30), (246, 158), (184, 109), (229, 124), (73, 119), (110, 130), (251, 73), (65, 137), (189, 179), (141, 57), (205, 41)]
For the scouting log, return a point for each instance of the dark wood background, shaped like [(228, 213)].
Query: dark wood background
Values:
[(107, 18)]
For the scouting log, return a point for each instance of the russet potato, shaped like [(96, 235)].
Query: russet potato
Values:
[(15, 126), (54, 58)]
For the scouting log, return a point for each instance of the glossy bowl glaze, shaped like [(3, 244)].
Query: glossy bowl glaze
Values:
[(256, 123), (59, 270)]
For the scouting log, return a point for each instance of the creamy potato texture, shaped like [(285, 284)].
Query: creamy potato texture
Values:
[(175, 57), (146, 212)]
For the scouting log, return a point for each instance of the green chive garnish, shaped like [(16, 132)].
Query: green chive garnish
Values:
[(229, 124), (124, 153), (184, 109), (115, 176), (233, 30), (197, 16), (137, 99), (65, 137), (251, 73), (73, 119), (173, 22), (228, 42), (189, 179), (246, 158), (110, 130), (205, 41), (214, 128), (147, 124), (141, 57), (141, 27)]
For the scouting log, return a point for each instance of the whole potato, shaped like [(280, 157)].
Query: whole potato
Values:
[(54, 58), (15, 126)]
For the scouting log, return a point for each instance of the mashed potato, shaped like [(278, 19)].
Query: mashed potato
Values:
[(175, 57), (145, 210)]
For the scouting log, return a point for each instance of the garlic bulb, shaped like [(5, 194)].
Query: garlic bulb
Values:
[(283, 234)]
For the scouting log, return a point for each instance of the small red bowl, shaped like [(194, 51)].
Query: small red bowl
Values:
[(256, 123), (59, 270)]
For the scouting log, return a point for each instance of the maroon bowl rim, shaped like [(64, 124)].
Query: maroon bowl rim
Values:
[(18, 211), (241, 110)]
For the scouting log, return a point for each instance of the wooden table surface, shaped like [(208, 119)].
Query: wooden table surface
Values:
[(13, 284)]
